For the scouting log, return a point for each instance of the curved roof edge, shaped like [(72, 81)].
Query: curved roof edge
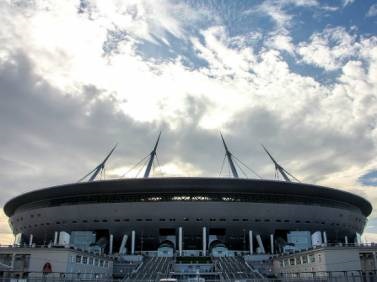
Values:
[(189, 184)]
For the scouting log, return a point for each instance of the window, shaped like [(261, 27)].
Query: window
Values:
[(267, 220), (84, 260), (278, 220), (148, 219), (78, 259), (286, 262), (298, 260), (126, 219), (162, 219), (298, 221), (91, 260), (257, 220), (84, 221), (96, 220), (185, 219), (172, 219), (74, 221), (291, 261), (245, 219), (311, 258), (222, 219), (117, 220), (199, 219), (104, 220), (304, 259), (6, 259), (139, 219), (236, 219)]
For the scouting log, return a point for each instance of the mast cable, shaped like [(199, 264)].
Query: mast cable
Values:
[(247, 167), (222, 165), (133, 167)]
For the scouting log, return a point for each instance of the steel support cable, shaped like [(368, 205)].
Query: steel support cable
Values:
[(222, 165), (81, 179), (247, 167), (240, 168), (141, 167), (291, 175), (158, 163), (136, 165)]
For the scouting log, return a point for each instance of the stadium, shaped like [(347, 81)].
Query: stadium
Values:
[(188, 216)]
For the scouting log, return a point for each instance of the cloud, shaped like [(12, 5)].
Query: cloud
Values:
[(281, 41), (372, 11), (347, 2), (329, 49), (75, 79), (275, 10)]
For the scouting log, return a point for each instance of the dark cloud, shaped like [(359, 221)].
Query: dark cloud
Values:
[(49, 137)]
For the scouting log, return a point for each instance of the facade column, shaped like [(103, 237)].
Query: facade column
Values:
[(251, 242), (111, 244), (346, 240), (272, 243), (325, 237), (56, 238), (122, 247), (180, 241), (12, 262), (204, 241), (358, 238), (260, 244), (133, 242), (31, 240)]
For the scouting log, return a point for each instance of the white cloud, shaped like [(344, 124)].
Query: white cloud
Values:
[(281, 41), (347, 2), (281, 18), (300, 3), (372, 11), (329, 49)]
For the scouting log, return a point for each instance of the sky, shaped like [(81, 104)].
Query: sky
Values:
[(77, 77)]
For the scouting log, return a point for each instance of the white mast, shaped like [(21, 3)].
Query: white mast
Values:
[(98, 168), (279, 168), (151, 158), (230, 159)]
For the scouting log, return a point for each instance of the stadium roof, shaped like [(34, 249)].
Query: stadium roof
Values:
[(198, 185)]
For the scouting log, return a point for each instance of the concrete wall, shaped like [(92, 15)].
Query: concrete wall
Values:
[(320, 261), (63, 261)]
